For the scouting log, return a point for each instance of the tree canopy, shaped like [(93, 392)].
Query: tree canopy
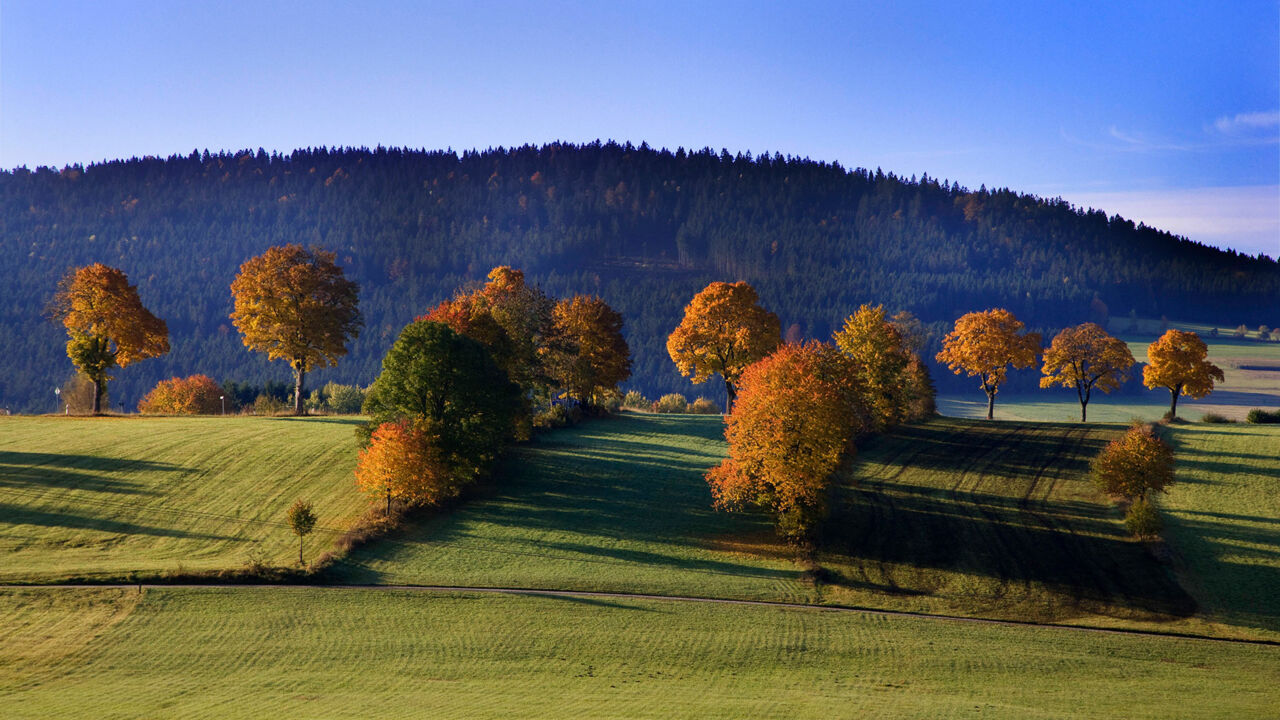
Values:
[(1083, 358), (984, 345), (724, 330), (296, 305), (1177, 361), (588, 353), (106, 323)]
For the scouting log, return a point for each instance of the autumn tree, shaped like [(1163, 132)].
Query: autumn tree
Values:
[(880, 359), (1176, 361), (193, 395), (794, 423), (587, 353), (302, 520), (403, 462), (984, 345), (106, 323), (296, 305), (1137, 464), (1085, 357), (723, 331), (447, 385)]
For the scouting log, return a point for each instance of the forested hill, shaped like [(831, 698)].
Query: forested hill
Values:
[(643, 228)]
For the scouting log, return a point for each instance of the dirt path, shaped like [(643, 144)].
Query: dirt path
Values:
[(663, 598)]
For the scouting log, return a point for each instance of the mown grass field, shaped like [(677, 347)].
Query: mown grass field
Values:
[(335, 653), (101, 497)]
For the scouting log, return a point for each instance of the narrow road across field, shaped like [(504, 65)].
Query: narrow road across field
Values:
[(542, 592)]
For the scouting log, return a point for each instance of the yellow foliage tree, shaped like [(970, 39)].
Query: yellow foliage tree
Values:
[(295, 305), (984, 345), (403, 462), (880, 359), (107, 324), (723, 331), (1137, 463), (1177, 361), (1085, 357), (588, 354), (794, 423)]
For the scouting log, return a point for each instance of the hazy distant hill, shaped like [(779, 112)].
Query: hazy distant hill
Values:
[(645, 229)]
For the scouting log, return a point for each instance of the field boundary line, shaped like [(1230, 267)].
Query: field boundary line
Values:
[(549, 592)]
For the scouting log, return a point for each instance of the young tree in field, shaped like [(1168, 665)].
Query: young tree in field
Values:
[(587, 354), (1176, 361), (880, 359), (302, 520), (447, 385), (403, 462), (723, 331), (794, 422), (1137, 464), (1085, 357), (295, 305), (194, 395), (107, 325), (985, 344)]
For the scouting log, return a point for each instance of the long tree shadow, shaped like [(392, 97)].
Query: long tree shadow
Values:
[(16, 515), (31, 470)]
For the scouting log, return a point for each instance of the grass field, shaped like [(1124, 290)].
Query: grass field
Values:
[(333, 653), (1224, 520), (99, 497)]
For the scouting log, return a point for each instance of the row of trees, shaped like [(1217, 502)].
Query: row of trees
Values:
[(463, 380), (797, 407), (291, 303), (1084, 358)]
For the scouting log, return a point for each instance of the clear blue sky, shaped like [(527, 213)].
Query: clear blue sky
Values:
[(1164, 112)]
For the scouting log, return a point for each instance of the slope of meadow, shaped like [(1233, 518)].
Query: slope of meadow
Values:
[(101, 497), (342, 653)]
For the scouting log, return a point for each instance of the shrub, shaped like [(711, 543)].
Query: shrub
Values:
[(194, 395), (704, 406), (671, 403), (267, 405), (1215, 418), (636, 401), (343, 399), (1142, 519), (1263, 417), (556, 416), (609, 401)]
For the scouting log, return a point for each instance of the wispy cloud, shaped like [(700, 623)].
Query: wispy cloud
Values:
[(1248, 122)]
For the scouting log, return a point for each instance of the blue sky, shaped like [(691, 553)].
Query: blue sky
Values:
[(1164, 112)]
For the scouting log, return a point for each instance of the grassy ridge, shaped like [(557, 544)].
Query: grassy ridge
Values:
[(322, 653), (106, 496)]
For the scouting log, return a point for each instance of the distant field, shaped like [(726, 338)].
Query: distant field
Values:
[(105, 496), (334, 653)]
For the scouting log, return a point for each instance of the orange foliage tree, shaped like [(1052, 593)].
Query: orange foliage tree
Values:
[(880, 359), (1086, 357), (107, 324), (295, 305), (723, 331), (194, 395), (984, 345), (1176, 361), (403, 462), (1137, 463), (588, 354), (794, 422)]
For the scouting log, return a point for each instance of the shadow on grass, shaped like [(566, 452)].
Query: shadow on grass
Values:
[(19, 515), (80, 472)]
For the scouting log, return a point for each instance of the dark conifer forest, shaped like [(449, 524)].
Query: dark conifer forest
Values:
[(645, 229)]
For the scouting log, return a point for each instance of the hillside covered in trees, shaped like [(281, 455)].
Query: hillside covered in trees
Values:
[(643, 228)]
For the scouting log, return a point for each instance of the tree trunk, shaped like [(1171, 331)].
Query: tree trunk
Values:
[(1083, 416), (298, 375), (300, 561), (97, 396), (991, 405), (730, 395), (1173, 405), (388, 502)]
